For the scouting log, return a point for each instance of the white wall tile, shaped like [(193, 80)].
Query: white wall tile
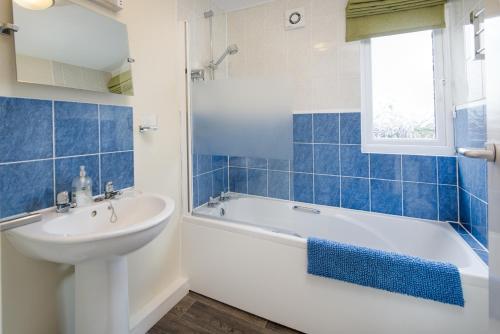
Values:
[(322, 67)]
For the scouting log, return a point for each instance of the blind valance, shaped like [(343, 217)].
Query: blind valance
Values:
[(373, 18)]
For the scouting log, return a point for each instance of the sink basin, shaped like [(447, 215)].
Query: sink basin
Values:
[(87, 233), (96, 239)]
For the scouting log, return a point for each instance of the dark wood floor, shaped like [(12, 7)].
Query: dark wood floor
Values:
[(198, 314)]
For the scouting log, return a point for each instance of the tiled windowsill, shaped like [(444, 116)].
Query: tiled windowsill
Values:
[(471, 241)]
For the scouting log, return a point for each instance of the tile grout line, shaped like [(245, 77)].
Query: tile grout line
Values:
[(473, 237), (62, 157), (54, 153), (340, 163), (370, 182), (402, 185), (100, 148), (437, 185), (313, 139)]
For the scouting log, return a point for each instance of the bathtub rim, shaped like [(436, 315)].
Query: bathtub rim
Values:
[(475, 277)]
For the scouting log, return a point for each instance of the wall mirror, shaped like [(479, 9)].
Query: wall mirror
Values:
[(67, 45)]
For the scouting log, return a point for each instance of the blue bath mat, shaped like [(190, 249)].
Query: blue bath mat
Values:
[(388, 271)]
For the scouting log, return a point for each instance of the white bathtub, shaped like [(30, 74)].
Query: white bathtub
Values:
[(254, 258)]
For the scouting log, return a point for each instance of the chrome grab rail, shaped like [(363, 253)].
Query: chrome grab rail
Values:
[(19, 220), (488, 153), (306, 209)]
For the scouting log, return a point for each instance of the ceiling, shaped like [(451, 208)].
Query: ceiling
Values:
[(231, 5)]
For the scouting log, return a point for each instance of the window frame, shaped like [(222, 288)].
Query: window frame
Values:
[(443, 144)]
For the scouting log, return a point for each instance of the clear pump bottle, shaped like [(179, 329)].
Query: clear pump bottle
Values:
[(81, 189)]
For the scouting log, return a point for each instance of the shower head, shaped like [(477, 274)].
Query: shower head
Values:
[(208, 14), (231, 50)]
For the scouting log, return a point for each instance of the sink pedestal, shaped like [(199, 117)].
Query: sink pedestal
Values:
[(101, 296)]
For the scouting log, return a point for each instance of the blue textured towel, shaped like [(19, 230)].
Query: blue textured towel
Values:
[(385, 270)]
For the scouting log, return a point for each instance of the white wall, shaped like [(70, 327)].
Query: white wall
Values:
[(468, 74), (35, 294), (324, 70)]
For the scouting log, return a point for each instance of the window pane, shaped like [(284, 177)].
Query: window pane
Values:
[(403, 86)]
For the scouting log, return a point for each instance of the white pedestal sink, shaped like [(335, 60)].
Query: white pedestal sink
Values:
[(87, 238)]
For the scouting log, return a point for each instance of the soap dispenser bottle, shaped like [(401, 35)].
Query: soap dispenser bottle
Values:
[(81, 189)]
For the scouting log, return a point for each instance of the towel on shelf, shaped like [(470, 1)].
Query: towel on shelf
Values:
[(121, 84), (388, 271)]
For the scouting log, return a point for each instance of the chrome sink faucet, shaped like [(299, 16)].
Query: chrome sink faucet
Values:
[(224, 196), (110, 192), (62, 202), (213, 202)]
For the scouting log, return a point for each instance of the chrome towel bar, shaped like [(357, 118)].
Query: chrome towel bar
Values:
[(489, 152), (19, 220), (306, 209)]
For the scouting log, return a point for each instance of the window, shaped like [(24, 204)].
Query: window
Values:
[(404, 104)]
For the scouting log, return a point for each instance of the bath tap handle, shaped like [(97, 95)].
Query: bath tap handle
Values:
[(306, 209)]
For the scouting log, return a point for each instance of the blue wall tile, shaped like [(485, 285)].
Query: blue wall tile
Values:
[(420, 200), (237, 162), (303, 188), (220, 183), (483, 255), (77, 128), (238, 180), (355, 193), (350, 128), (303, 158), (26, 187), (419, 168), (204, 163), (447, 170), (25, 129), (279, 185), (69, 168), (326, 159), (470, 127), (386, 197), (302, 128), (353, 162), (327, 190), (461, 128), (464, 205), (196, 201), (219, 161), (257, 182), (321, 141), (205, 187), (195, 164), (28, 126), (118, 168), (326, 128), (385, 166), (448, 203), (277, 164), (257, 163), (473, 176), (470, 131), (466, 236), (479, 220), (116, 128)]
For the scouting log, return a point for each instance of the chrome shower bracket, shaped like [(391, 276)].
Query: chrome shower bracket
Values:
[(8, 28)]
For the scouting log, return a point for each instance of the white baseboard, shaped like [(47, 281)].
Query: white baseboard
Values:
[(151, 313)]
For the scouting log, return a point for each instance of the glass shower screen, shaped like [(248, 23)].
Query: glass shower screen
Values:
[(243, 118)]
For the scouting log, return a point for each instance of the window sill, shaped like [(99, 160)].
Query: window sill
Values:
[(408, 149)]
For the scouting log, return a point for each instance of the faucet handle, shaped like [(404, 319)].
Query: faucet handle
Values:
[(109, 187), (62, 198)]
